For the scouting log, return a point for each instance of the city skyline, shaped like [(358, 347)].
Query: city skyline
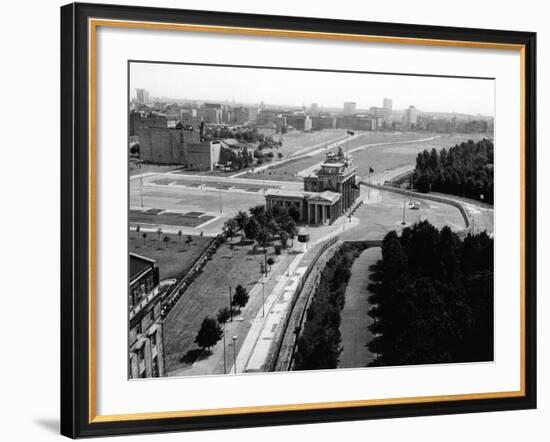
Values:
[(328, 89)]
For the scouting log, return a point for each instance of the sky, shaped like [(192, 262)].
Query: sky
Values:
[(328, 89)]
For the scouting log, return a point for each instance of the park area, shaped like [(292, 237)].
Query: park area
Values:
[(378, 150), (174, 257), (297, 142), (355, 319), (161, 217), (391, 156), (208, 293)]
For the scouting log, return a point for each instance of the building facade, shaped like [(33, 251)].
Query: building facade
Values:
[(410, 117), (328, 193), (350, 108), (146, 349)]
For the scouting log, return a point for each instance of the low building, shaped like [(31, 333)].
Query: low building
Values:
[(145, 340), (357, 122), (350, 108), (163, 145), (328, 192), (299, 122), (202, 156), (323, 122)]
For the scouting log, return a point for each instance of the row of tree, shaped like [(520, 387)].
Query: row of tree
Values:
[(433, 298), (319, 343), (465, 169), (211, 331), (264, 225)]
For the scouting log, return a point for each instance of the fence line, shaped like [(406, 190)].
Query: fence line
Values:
[(187, 280), (287, 334)]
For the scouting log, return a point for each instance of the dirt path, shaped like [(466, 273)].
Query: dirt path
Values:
[(355, 321)]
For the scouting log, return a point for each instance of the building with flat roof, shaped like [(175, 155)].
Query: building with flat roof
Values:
[(146, 349), (410, 117), (350, 108), (328, 192)]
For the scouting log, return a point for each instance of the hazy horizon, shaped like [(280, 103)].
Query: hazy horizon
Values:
[(329, 89)]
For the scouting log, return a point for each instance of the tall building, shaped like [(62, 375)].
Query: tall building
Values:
[(142, 96), (350, 108), (410, 118), (146, 348), (211, 113), (314, 109), (388, 104)]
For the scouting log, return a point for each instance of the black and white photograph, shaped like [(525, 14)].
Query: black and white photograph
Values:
[(305, 219)]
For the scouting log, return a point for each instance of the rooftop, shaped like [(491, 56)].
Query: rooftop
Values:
[(138, 264), (327, 195)]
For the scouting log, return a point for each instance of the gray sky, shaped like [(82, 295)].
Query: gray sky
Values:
[(330, 89)]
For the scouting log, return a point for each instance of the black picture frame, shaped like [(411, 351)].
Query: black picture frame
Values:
[(75, 220)]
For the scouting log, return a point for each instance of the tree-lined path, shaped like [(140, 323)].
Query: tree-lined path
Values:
[(355, 320)]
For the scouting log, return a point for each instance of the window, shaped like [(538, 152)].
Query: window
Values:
[(155, 366), (138, 328), (152, 314), (153, 339)]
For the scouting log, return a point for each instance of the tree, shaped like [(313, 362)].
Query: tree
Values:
[(180, 234), (465, 169), (209, 333), (433, 297), (159, 232), (138, 228), (166, 241), (240, 298), (262, 239), (144, 236), (270, 262), (279, 155), (230, 228), (241, 219), (283, 236), (294, 213), (291, 228), (223, 315), (189, 239), (252, 228)]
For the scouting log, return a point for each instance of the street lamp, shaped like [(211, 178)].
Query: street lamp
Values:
[(235, 353), (224, 358), (263, 297), (287, 262)]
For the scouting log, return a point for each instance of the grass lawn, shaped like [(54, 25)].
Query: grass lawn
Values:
[(136, 169), (396, 155), (379, 158), (167, 218), (174, 260), (208, 293)]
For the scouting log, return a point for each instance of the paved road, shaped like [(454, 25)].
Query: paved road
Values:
[(355, 320)]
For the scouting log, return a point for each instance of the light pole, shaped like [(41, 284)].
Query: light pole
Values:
[(230, 305), (220, 192), (287, 262), (235, 353), (224, 358), (404, 201), (141, 190), (263, 297)]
